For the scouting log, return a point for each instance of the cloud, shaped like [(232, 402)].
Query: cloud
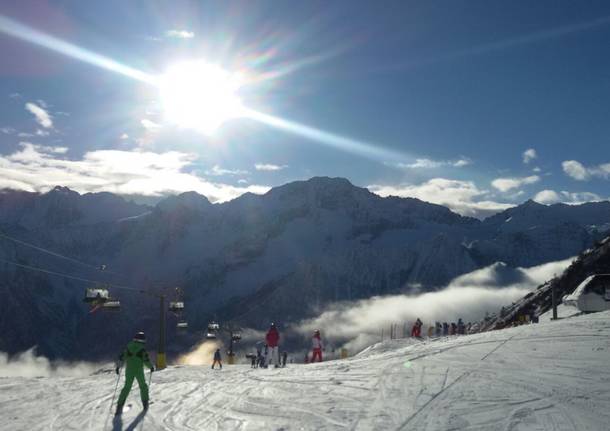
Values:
[(7, 130), (358, 324), (529, 155), (463, 197), (124, 137), (149, 125), (28, 364), (217, 171), (579, 172), (552, 197), (37, 168), (180, 34), (269, 167), (42, 117), (506, 184), (425, 163)]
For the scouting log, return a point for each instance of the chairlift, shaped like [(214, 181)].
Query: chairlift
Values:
[(96, 295), (112, 305), (182, 325), (210, 335), (176, 306), (213, 326), (236, 336)]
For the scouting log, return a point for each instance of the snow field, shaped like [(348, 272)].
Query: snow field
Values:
[(552, 376)]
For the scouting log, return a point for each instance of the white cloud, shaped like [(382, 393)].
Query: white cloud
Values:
[(579, 172), (42, 117), (463, 197), (506, 184), (7, 130), (536, 169), (425, 163), (124, 137), (358, 324), (217, 171), (571, 198), (37, 168), (42, 133), (180, 34), (28, 364), (547, 197), (150, 125), (529, 155), (269, 167)]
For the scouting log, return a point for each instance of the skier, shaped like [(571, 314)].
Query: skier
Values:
[(439, 329), (453, 329), (217, 359), (135, 358), (445, 328), (430, 331), (416, 331), (460, 327), (316, 345), (272, 338), (284, 358)]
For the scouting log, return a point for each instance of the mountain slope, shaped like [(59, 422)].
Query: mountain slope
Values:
[(283, 255), (458, 383)]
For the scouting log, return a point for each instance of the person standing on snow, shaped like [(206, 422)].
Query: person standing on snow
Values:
[(416, 331), (135, 358), (284, 358), (316, 344), (273, 338), (217, 359)]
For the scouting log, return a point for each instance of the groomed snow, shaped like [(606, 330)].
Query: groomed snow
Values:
[(549, 376)]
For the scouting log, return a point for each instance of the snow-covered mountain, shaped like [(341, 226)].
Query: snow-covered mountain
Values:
[(281, 255), (550, 376)]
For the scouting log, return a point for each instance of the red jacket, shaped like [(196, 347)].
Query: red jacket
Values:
[(273, 336)]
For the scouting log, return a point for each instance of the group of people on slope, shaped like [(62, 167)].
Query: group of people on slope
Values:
[(444, 329), (269, 353)]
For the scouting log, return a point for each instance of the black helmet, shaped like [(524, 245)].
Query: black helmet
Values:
[(140, 337)]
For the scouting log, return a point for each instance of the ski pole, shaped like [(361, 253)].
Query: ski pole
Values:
[(115, 388)]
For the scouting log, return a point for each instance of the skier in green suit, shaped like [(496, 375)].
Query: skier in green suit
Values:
[(135, 356)]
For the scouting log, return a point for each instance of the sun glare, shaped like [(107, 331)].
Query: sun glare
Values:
[(200, 95)]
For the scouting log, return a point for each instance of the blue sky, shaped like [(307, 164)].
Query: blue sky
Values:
[(477, 105)]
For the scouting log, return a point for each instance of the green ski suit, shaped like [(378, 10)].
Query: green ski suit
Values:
[(135, 357)]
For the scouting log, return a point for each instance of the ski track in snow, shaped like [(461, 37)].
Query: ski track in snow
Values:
[(553, 376)]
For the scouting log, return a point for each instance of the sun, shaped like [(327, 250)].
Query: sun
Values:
[(200, 95)]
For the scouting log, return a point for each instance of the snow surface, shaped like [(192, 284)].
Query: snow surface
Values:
[(549, 376)]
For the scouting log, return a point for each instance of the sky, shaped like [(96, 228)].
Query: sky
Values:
[(476, 105)]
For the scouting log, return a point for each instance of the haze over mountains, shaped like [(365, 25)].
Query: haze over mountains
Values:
[(282, 256)]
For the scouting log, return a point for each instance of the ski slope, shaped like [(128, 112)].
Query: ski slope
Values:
[(553, 376)]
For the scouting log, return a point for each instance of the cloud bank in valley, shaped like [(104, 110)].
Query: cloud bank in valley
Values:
[(28, 364), (358, 324)]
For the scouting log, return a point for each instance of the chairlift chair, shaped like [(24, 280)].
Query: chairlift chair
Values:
[(210, 335), (236, 336), (213, 326), (176, 306), (112, 305), (96, 295), (182, 325)]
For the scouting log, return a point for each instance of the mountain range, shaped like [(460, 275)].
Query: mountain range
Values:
[(279, 256)]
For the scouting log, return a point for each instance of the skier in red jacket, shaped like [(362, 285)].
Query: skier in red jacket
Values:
[(316, 344), (273, 338)]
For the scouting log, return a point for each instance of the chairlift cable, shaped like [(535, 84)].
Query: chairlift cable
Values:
[(72, 277), (52, 253)]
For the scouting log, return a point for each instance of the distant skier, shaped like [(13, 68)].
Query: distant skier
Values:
[(430, 331), (273, 338), (460, 326), (445, 328), (217, 359), (439, 329), (135, 358), (453, 329), (284, 358), (416, 330), (316, 346)]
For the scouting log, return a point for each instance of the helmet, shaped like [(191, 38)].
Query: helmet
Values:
[(272, 325), (140, 337), (317, 332)]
